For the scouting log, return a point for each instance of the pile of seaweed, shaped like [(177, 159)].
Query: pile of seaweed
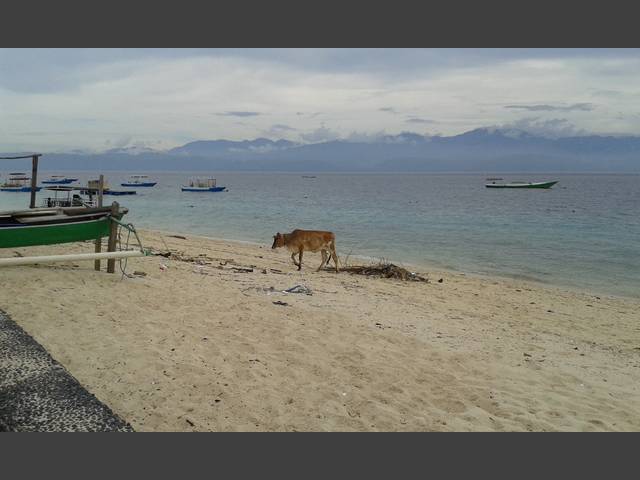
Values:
[(384, 270)]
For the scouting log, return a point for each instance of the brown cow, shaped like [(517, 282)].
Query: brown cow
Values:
[(312, 240)]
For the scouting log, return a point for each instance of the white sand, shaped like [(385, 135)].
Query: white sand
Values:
[(202, 348)]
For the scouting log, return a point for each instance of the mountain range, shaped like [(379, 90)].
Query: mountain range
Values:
[(479, 150)]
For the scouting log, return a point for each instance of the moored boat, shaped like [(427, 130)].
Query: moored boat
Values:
[(138, 181), (493, 184), (202, 185), (59, 180), (94, 185), (17, 182), (47, 226)]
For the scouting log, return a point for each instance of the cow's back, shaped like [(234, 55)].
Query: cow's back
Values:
[(312, 240)]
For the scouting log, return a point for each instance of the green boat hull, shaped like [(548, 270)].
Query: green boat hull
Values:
[(31, 235)]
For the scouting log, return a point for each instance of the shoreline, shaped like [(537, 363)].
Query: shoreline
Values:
[(424, 268)]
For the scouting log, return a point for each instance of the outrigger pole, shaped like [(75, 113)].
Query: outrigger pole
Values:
[(14, 261), (34, 174)]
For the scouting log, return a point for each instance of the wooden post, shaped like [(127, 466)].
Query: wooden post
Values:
[(34, 180), (111, 263), (96, 263)]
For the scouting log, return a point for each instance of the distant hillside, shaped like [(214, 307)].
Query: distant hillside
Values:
[(479, 150)]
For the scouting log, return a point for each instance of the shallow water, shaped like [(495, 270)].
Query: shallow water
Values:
[(583, 233)]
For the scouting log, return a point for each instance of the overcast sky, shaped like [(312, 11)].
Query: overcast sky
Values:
[(85, 99)]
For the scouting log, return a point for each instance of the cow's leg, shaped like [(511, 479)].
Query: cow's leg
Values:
[(334, 255), (325, 259), (300, 259), (293, 257)]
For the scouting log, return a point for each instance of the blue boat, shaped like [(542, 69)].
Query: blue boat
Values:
[(202, 185), (138, 181), (17, 182), (59, 180)]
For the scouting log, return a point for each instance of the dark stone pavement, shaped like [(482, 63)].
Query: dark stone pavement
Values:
[(37, 394)]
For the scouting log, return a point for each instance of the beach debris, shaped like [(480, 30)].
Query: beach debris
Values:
[(139, 273), (189, 422), (17, 254), (385, 270), (267, 290), (178, 236), (299, 289), (441, 280), (242, 269), (163, 267), (284, 304), (264, 270), (526, 354)]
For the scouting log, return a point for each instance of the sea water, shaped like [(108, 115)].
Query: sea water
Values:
[(582, 233)]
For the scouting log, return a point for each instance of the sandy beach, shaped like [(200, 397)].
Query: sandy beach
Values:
[(202, 346)]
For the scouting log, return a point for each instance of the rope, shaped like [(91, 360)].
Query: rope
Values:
[(130, 229)]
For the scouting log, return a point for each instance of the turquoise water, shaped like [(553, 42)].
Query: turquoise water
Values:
[(582, 233)]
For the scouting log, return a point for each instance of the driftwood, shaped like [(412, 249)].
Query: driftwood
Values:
[(384, 270)]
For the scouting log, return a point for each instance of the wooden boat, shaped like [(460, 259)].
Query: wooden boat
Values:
[(17, 182), (94, 185), (63, 196), (493, 184), (138, 181), (47, 226), (118, 192), (202, 185), (59, 180)]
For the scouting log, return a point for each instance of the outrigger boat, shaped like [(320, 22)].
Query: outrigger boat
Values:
[(202, 185), (138, 181), (63, 196), (59, 180), (47, 226), (93, 185), (17, 182), (493, 184)]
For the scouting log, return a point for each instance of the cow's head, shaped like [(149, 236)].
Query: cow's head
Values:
[(278, 240)]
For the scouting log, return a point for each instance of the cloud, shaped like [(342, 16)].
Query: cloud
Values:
[(239, 114), (549, 128), (322, 134), (278, 130), (279, 126), (583, 107), (419, 120)]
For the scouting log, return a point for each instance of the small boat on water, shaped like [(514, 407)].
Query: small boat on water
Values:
[(202, 185), (17, 182), (59, 180), (119, 192), (94, 186), (493, 184), (47, 226), (138, 181), (63, 196)]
